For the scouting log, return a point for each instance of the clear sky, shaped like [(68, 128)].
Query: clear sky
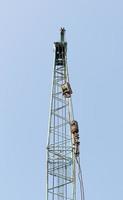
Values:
[(28, 29)]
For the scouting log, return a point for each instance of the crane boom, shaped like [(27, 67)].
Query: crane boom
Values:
[(63, 136)]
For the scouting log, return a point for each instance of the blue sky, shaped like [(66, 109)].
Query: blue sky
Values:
[(95, 47)]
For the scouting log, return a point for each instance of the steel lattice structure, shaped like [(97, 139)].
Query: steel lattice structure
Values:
[(61, 158)]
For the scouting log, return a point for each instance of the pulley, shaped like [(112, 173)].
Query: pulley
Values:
[(66, 90)]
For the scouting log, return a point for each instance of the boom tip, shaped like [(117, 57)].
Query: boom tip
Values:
[(62, 32)]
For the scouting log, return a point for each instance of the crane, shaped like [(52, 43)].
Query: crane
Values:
[(63, 154)]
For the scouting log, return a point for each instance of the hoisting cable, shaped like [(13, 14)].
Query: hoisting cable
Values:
[(80, 178)]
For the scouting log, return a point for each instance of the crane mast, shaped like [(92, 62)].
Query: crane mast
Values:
[(63, 136)]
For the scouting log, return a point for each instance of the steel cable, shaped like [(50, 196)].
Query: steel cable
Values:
[(80, 179)]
